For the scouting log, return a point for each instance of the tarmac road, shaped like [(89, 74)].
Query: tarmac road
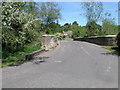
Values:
[(73, 64)]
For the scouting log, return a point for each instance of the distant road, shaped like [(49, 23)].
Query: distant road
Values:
[(73, 64)]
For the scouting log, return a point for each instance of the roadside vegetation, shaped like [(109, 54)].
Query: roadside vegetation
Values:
[(24, 23), (113, 49)]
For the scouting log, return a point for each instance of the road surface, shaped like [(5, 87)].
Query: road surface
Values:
[(73, 64)]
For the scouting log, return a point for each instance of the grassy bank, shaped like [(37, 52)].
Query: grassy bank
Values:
[(112, 49), (19, 57)]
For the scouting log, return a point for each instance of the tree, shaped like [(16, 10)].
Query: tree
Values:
[(50, 12), (66, 24), (18, 27), (93, 13), (32, 8), (66, 27), (75, 23), (109, 27), (53, 28), (93, 28)]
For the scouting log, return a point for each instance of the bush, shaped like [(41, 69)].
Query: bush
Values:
[(19, 56), (53, 28), (62, 37), (118, 40), (10, 59), (18, 28)]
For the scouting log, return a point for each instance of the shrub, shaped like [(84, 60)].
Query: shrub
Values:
[(10, 59), (62, 37), (18, 28), (118, 40)]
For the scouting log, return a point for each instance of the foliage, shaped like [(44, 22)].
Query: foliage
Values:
[(93, 11), (80, 32), (118, 40), (32, 8), (20, 56), (75, 23), (109, 27), (53, 28), (93, 28), (58, 34), (113, 49), (32, 47), (10, 59), (21, 26), (62, 37), (18, 28), (66, 27), (76, 31), (50, 12)]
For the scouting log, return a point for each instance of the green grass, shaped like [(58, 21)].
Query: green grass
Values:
[(112, 49), (20, 55)]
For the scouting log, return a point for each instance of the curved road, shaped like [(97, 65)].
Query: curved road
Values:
[(73, 64)]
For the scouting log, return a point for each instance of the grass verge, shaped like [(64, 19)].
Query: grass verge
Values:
[(19, 57), (112, 49)]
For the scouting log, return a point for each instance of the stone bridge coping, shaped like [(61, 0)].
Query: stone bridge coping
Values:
[(106, 36), (109, 36)]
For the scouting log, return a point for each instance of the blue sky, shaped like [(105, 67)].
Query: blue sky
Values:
[(71, 12)]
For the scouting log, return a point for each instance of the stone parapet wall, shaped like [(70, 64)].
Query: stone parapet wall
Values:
[(49, 41), (109, 40)]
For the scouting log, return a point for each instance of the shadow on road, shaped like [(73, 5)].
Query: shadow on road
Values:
[(108, 53), (115, 51), (38, 60)]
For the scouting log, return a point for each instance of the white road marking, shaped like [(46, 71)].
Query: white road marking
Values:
[(85, 51), (58, 61), (108, 69)]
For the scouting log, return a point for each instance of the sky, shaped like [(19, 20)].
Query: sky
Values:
[(71, 12)]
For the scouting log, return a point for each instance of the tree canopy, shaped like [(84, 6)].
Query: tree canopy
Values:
[(50, 12)]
